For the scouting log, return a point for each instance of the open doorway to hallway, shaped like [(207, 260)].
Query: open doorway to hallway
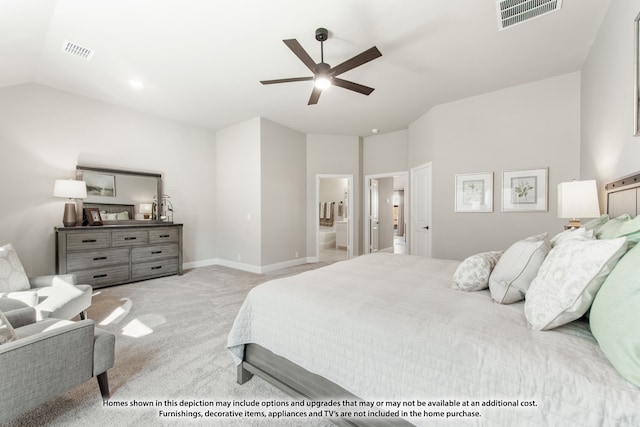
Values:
[(334, 225), (386, 202)]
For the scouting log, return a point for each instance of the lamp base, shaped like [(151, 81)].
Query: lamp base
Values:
[(574, 224), (69, 218)]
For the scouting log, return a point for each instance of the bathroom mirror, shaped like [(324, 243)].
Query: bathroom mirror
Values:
[(121, 196)]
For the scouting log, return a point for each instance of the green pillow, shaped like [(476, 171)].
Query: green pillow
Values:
[(615, 316), (631, 230), (596, 223), (609, 230)]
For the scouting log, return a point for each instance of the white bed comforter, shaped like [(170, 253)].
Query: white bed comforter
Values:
[(390, 327)]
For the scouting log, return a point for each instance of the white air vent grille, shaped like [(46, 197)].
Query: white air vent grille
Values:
[(77, 50), (514, 12)]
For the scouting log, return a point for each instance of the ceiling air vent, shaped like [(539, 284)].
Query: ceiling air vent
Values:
[(77, 50), (514, 12)]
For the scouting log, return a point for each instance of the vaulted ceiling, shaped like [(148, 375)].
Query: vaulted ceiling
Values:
[(200, 61)]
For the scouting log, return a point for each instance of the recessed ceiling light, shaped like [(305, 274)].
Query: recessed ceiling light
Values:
[(136, 84), (375, 130)]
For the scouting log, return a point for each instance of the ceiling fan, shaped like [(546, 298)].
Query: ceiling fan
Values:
[(323, 74)]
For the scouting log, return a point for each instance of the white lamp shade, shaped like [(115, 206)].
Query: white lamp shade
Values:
[(70, 189), (145, 208), (578, 199)]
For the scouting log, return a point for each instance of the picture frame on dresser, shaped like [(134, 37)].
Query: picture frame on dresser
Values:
[(93, 216)]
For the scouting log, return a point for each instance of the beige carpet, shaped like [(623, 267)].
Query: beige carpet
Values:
[(170, 344)]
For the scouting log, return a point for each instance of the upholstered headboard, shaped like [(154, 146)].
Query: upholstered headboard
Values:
[(112, 209), (623, 196)]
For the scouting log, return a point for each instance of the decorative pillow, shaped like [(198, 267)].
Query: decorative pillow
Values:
[(516, 269), (473, 273), (579, 234), (6, 330), (629, 229), (12, 275), (28, 297), (615, 316), (611, 227), (122, 215), (596, 223), (569, 279)]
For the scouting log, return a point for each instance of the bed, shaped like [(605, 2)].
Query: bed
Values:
[(391, 331)]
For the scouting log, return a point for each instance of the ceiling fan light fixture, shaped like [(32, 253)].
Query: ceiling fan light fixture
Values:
[(322, 82)]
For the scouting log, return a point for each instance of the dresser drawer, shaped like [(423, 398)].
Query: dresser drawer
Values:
[(152, 253), (104, 276), (129, 238), (147, 270), (85, 241), (94, 259), (163, 235)]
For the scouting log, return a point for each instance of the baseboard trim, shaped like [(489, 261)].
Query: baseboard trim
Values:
[(249, 267)]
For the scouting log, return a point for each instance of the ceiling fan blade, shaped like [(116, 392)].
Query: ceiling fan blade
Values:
[(315, 95), (302, 54), (365, 90), (362, 58), (292, 79)]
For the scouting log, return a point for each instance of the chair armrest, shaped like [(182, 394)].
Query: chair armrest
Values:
[(21, 317), (51, 280), (44, 365)]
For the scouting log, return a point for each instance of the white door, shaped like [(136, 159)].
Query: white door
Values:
[(374, 221), (421, 210)]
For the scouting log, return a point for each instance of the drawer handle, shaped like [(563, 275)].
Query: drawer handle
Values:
[(130, 238), (158, 267), (98, 276), (165, 235), (98, 258), (155, 252), (89, 240)]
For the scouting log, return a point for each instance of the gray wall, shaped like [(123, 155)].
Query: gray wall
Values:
[(283, 194), (524, 127), (609, 149), (45, 133), (385, 213)]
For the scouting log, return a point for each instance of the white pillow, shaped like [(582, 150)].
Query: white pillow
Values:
[(473, 273), (6, 330), (12, 275), (579, 234), (516, 269), (29, 297), (569, 279)]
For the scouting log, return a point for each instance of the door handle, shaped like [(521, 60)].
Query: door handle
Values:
[(426, 227)]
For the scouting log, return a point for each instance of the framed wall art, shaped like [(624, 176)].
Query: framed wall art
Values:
[(525, 190), (474, 192)]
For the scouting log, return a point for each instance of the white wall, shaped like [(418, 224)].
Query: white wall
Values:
[(609, 149), (283, 195), (385, 153), (529, 126), (338, 155), (45, 133), (238, 169)]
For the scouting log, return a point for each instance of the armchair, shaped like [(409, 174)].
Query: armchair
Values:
[(49, 358)]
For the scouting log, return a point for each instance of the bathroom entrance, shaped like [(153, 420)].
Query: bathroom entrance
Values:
[(333, 225)]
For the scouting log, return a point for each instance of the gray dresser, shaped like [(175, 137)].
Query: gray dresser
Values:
[(116, 254)]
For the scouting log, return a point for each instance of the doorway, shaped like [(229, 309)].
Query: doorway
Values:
[(386, 217), (334, 225)]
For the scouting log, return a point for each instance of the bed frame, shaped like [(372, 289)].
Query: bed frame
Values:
[(622, 196)]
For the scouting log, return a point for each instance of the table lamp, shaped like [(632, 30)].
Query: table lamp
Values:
[(70, 189), (577, 199)]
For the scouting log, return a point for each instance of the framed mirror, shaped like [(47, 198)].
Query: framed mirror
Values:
[(636, 77), (121, 196)]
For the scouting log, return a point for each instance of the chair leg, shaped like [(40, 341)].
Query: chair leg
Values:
[(83, 315), (103, 383)]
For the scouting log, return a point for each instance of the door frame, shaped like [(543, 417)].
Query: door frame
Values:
[(350, 207), (410, 231), (367, 207)]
